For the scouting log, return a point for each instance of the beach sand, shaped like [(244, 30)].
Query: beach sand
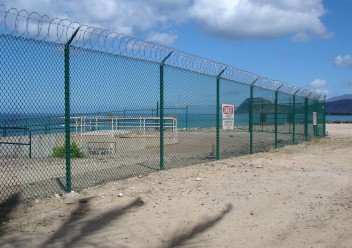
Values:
[(296, 196), (42, 177)]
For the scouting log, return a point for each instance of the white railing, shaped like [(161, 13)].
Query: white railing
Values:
[(85, 124)]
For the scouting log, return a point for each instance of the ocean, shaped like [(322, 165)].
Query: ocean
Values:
[(339, 118), (11, 125)]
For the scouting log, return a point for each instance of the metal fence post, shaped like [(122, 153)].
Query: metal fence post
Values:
[(218, 114), (161, 111), (276, 102), (67, 112), (306, 118), (250, 119), (316, 110), (294, 117)]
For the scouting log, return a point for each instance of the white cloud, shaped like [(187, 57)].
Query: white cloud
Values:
[(133, 17), (261, 19), (317, 83), (343, 61), (162, 38), (319, 86), (324, 92), (228, 19)]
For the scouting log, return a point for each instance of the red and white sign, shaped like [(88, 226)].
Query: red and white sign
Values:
[(228, 116)]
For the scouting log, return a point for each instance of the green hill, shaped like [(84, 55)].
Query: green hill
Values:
[(261, 105)]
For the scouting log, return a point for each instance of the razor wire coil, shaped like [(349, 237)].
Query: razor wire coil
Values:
[(22, 23)]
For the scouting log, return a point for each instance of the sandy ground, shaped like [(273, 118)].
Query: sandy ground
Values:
[(296, 196), (43, 177)]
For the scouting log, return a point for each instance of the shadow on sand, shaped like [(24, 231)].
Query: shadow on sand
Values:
[(87, 227), (188, 233), (6, 208), (79, 226)]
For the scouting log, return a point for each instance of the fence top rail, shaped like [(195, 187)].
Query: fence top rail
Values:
[(32, 25), (78, 118)]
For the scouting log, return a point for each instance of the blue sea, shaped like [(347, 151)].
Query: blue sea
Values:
[(45, 124), (339, 117)]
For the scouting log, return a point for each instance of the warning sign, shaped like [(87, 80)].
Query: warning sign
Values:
[(228, 116), (315, 118)]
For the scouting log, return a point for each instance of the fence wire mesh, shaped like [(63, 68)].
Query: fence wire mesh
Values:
[(235, 141), (81, 106)]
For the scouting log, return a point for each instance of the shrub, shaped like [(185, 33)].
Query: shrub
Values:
[(75, 151)]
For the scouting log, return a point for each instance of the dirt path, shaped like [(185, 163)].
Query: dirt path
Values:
[(297, 196)]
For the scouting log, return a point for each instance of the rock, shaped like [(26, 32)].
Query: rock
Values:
[(36, 201), (72, 194), (120, 195), (198, 179)]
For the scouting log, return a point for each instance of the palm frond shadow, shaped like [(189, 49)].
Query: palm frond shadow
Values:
[(79, 213), (188, 233), (7, 206), (89, 226)]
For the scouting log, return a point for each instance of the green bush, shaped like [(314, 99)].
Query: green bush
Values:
[(75, 151)]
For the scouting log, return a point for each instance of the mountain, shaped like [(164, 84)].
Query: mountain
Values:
[(338, 98), (343, 107), (261, 105), (258, 102)]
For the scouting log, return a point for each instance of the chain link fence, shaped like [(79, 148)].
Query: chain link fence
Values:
[(82, 106)]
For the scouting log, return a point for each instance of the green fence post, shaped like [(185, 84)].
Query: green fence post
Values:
[(67, 112), (218, 114), (306, 117), (276, 102), (250, 119), (161, 111), (324, 116), (316, 110), (294, 117)]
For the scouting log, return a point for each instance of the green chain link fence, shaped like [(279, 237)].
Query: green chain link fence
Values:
[(81, 106)]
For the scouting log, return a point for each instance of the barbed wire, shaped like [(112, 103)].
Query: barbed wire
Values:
[(288, 89), (21, 23), (239, 76)]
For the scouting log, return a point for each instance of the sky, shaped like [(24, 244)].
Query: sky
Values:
[(306, 43)]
